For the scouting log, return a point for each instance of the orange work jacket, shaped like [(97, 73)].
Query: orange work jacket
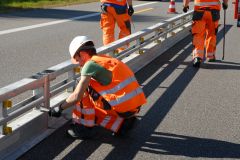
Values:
[(118, 2), (212, 4), (123, 94)]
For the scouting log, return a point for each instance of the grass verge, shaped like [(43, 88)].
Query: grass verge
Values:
[(11, 5)]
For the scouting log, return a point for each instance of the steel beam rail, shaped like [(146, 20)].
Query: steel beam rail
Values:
[(144, 46), (163, 27)]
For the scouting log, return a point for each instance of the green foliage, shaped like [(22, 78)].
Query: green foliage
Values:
[(39, 3), (22, 4)]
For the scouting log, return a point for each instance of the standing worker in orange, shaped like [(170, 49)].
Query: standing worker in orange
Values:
[(116, 11), (204, 28), (107, 94)]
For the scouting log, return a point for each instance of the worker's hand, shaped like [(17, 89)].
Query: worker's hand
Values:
[(104, 8), (225, 6), (130, 10), (55, 111), (185, 9)]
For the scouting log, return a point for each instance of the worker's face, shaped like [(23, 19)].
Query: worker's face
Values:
[(82, 57)]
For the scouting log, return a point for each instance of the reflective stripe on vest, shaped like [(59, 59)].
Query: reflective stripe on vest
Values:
[(88, 123), (85, 111), (114, 126), (197, 51), (123, 93), (126, 97), (118, 87), (88, 118), (105, 121), (210, 54), (206, 3)]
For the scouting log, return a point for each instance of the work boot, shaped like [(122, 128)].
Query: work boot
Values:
[(126, 126), (196, 62), (211, 59), (80, 131)]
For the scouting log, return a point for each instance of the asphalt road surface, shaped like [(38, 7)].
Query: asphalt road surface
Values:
[(31, 41), (191, 113)]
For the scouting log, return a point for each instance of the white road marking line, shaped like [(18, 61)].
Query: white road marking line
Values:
[(57, 22)]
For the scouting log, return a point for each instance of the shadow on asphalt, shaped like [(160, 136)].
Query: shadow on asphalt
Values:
[(172, 144), (143, 137), (222, 64)]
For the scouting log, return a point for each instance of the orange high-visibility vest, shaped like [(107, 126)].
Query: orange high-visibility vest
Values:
[(212, 4), (123, 94), (118, 2), (84, 113)]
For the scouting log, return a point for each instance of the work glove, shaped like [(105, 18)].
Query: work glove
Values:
[(55, 111), (130, 10), (225, 6), (185, 9), (104, 8)]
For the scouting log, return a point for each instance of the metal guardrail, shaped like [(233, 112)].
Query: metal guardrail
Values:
[(39, 83), (158, 32), (44, 92)]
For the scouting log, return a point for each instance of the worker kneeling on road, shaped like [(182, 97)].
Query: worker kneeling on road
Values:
[(204, 28), (107, 94)]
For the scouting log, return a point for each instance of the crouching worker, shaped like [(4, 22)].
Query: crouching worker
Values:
[(107, 94)]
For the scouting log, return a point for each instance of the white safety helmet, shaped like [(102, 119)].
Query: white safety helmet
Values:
[(77, 43)]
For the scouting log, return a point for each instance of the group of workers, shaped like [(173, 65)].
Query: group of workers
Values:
[(108, 94)]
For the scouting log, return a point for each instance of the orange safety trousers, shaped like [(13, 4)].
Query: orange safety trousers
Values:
[(204, 34), (107, 24), (87, 114)]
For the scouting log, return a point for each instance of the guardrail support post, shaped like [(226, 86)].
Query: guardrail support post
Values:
[(170, 27), (139, 42), (46, 92), (38, 93), (115, 53), (182, 22), (72, 74), (157, 32), (3, 114)]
